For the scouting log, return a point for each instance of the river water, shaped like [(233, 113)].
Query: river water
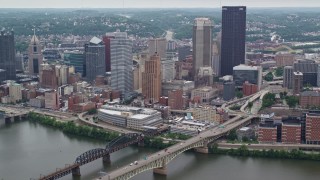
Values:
[(28, 150)]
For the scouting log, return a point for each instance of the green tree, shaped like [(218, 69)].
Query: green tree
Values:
[(239, 94), (250, 104), (269, 77), (292, 101), (279, 71), (232, 135)]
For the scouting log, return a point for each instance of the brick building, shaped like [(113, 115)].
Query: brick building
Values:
[(313, 128), (267, 133), (249, 89), (175, 99), (309, 99), (291, 133), (284, 60)]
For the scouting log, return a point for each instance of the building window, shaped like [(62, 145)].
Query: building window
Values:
[(34, 48)]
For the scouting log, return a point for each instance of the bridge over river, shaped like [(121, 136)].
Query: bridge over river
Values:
[(159, 160)]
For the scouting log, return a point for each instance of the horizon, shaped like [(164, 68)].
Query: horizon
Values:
[(143, 4)]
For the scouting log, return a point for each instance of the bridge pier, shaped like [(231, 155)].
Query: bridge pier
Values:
[(76, 171), (204, 149), (161, 170), (8, 120), (106, 158), (141, 143)]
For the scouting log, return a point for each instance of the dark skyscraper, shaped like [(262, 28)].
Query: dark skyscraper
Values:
[(233, 38), (95, 59), (7, 55)]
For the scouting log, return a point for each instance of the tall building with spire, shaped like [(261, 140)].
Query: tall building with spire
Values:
[(35, 57), (151, 79), (7, 55)]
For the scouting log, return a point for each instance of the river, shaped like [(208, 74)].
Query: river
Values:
[(28, 149)]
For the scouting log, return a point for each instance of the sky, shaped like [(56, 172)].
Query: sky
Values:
[(154, 3)]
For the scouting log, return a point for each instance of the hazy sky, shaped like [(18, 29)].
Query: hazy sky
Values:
[(153, 3)]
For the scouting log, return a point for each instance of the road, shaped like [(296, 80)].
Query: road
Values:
[(169, 35), (276, 146), (231, 124)]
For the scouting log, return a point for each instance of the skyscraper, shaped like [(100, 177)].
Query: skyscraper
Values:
[(202, 49), (7, 55), (121, 63), (151, 79), (34, 56), (95, 59), (159, 46), (233, 38), (107, 40)]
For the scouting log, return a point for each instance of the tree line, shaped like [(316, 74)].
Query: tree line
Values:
[(282, 154), (72, 128)]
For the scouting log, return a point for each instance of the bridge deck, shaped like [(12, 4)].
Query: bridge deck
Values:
[(60, 171), (233, 123)]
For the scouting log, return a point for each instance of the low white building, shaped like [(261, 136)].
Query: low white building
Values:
[(131, 117)]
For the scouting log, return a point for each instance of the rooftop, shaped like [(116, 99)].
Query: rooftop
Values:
[(246, 67)]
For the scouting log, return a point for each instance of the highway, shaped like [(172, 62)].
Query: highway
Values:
[(276, 146), (231, 124)]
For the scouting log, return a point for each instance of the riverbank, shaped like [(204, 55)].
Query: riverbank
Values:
[(92, 132), (72, 128), (279, 154)]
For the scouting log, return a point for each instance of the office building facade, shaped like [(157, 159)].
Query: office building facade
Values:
[(121, 63), (233, 38), (159, 46), (288, 77), (202, 51), (7, 55), (297, 82), (77, 60), (95, 59), (243, 73), (151, 79)]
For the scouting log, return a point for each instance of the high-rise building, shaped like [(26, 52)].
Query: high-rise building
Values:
[(95, 59), (309, 69), (202, 50), (77, 60), (151, 79), (159, 46), (62, 73), (233, 38), (121, 62), (216, 55), (48, 77), (7, 55), (107, 41), (51, 100), (288, 77), (229, 91), (183, 52), (297, 82), (175, 99), (313, 128), (284, 60), (15, 91), (167, 69), (35, 57)]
